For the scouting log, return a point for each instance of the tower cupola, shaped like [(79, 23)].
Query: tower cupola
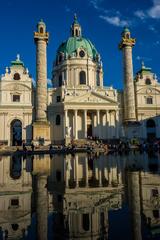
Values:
[(76, 30), (41, 27)]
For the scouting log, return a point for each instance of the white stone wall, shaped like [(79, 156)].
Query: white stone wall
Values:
[(10, 110), (72, 68), (147, 111)]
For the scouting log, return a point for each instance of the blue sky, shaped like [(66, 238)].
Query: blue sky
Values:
[(102, 22)]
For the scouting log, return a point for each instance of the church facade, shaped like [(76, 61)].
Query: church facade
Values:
[(78, 106)]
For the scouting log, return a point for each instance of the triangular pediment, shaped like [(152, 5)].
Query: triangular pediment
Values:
[(91, 97)]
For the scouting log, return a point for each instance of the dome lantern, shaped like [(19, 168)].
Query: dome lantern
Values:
[(76, 30)]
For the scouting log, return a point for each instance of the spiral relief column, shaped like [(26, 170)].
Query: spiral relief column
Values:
[(41, 127), (126, 46)]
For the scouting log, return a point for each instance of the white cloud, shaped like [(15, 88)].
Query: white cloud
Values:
[(152, 28), (67, 9), (116, 21), (96, 3), (157, 43), (140, 58), (110, 16), (154, 12), (140, 14)]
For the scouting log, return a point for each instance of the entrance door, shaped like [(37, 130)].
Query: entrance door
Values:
[(89, 124), (16, 133), (151, 129), (89, 130)]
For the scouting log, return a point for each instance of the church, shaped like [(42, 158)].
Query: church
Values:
[(78, 106)]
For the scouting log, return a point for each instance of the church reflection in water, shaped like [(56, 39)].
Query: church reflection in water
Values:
[(72, 196)]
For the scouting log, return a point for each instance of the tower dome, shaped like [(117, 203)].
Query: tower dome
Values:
[(78, 63), (76, 45), (69, 48)]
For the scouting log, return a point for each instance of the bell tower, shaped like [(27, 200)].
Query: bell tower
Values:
[(126, 45), (41, 127)]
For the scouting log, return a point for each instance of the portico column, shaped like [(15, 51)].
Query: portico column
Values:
[(108, 124), (75, 124), (109, 177), (112, 124), (65, 121), (76, 171), (85, 123), (66, 118), (100, 176), (98, 123), (86, 171), (117, 123)]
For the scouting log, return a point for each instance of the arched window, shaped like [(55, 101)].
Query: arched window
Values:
[(16, 132), (98, 79), (60, 58), (85, 221), (60, 80), (15, 226), (76, 32), (82, 77), (127, 36), (41, 29), (58, 120), (148, 81)]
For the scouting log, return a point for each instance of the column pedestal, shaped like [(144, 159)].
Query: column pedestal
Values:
[(41, 133)]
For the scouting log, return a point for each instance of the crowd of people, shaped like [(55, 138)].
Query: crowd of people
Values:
[(98, 145)]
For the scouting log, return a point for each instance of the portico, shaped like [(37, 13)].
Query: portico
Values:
[(91, 123)]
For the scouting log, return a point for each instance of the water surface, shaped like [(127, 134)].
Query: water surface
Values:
[(80, 196)]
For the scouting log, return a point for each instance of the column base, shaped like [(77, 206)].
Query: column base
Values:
[(131, 129), (41, 133), (67, 140)]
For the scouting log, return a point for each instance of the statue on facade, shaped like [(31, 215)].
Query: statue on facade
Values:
[(68, 132)]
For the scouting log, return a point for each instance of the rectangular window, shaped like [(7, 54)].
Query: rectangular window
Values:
[(155, 192), (58, 98), (14, 202), (149, 100), (16, 98)]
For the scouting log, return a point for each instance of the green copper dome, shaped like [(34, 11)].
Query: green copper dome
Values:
[(69, 47), (75, 43), (126, 29)]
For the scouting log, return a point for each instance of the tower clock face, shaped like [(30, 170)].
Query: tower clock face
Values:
[(81, 53)]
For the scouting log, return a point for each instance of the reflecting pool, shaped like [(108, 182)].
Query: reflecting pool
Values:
[(80, 196)]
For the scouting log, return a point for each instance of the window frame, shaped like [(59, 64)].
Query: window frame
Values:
[(149, 100), (82, 78), (16, 95)]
